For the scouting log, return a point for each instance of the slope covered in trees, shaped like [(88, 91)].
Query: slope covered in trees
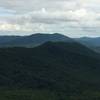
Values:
[(56, 70)]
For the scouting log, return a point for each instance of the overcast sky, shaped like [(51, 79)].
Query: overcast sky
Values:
[(70, 17)]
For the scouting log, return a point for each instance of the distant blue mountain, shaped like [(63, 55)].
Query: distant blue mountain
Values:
[(32, 40), (93, 43), (89, 41)]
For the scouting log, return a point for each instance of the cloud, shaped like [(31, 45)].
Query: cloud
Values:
[(53, 17), (50, 15)]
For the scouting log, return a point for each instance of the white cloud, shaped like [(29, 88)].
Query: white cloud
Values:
[(50, 15)]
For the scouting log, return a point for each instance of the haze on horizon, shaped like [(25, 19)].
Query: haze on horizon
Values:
[(73, 18)]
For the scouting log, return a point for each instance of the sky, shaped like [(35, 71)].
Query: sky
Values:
[(74, 18)]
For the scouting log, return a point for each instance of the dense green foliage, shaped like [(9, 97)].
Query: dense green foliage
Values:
[(52, 71), (28, 95)]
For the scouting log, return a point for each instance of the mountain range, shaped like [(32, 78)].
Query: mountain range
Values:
[(32, 40), (93, 43), (48, 67), (39, 38)]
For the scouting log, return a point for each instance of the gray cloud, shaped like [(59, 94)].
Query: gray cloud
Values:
[(50, 16)]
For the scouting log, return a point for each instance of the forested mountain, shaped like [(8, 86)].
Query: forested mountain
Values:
[(93, 43), (32, 40), (51, 71), (90, 41)]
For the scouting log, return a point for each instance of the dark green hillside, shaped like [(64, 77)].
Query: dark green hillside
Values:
[(52, 71)]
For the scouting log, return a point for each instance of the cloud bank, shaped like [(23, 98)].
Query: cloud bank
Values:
[(71, 17)]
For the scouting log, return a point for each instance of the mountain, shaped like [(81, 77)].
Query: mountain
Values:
[(51, 71), (97, 49), (93, 43), (90, 41), (31, 40)]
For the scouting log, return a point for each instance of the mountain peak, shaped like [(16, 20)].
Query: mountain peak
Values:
[(33, 40)]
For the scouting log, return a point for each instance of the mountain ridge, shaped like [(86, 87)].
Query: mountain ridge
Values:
[(93, 43), (32, 40)]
